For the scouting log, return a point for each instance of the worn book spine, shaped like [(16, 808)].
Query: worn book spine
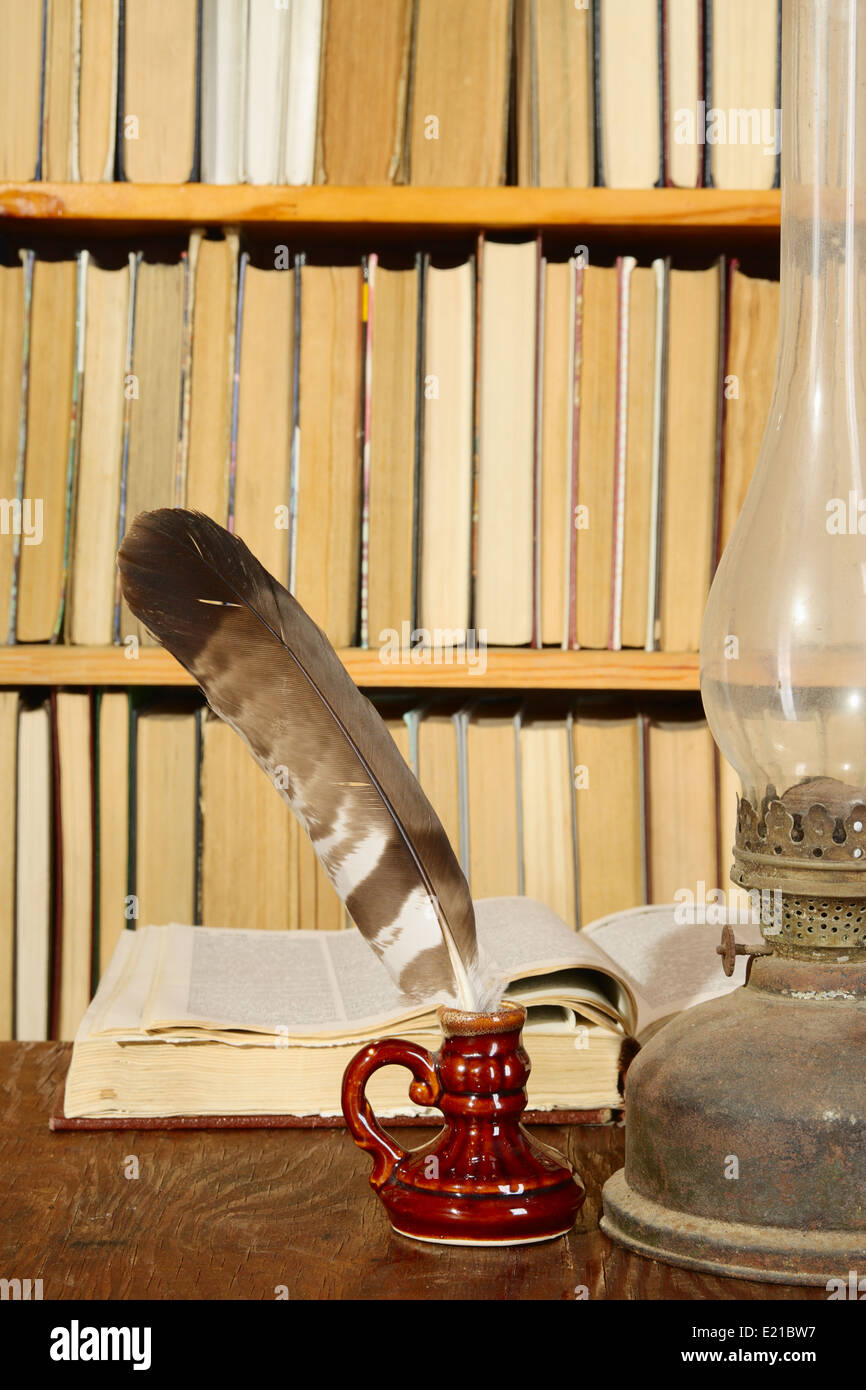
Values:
[(135, 260), (577, 360), (624, 265), (662, 272), (540, 262), (476, 423), (367, 329), (29, 259)]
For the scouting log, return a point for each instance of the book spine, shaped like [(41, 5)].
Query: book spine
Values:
[(72, 456), (295, 460), (56, 969), (721, 403), (702, 80), (420, 334), (201, 715), (662, 274), (135, 259), (643, 764), (461, 724), (119, 162), (596, 88), (29, 261), (733, 267), (236, 384), (575, 862), (660, 109), (95, 698), (625, 265), (111, 171), (568, 461), (579, 285), (195, 170), (507, 110), (75, 98), (233, 338), (517, 724), (189, 259), (777, 178), (708, 84), (538, 406), (398, 166), (39, 172), (476, 426), (664, 62), (368, 291)]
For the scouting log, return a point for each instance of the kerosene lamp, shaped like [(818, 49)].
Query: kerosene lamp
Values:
[(746, 1116)]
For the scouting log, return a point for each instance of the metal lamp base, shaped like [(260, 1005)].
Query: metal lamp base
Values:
[(768, 1254), (746, 1130)]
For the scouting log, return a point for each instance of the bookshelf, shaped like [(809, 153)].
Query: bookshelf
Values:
[(507, 668), (403, 213), (636, 727), (439, 210), (138, 788)]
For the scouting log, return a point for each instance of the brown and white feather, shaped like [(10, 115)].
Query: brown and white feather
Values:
[(270, 672)]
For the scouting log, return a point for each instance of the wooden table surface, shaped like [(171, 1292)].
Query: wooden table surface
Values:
[(237, 1214)]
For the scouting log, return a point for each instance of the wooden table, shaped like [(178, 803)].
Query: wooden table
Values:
[(234, 1214)]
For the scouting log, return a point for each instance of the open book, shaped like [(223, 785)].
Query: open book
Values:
[(204, 1020)]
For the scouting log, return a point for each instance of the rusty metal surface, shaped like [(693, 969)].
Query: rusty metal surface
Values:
[(746, 1129), (810, 848), (730, 948), (768, 1254)]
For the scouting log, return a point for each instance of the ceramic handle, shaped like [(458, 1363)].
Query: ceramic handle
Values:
[(361, 1122)]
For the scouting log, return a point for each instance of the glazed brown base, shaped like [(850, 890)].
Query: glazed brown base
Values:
[(456, 1240), (452, 1219)]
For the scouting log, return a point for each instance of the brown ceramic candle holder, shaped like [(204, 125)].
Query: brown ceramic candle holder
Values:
[(482, 1180)]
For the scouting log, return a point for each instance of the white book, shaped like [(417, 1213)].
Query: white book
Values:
[(629, 61), (34, 875), (683, 92), (93, 570), (302, 100), (446, 462), (626, 265), (743, 78), (506, 464), (265, 96), (223, 51)]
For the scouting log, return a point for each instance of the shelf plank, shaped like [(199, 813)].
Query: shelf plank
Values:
[(451, 209), (505, 668)]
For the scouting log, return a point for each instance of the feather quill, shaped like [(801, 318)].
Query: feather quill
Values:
[(270, 672)]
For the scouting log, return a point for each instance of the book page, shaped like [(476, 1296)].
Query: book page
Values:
[(327, 986), (298, 985), (248, 987), (670, 965), (118, 1005)]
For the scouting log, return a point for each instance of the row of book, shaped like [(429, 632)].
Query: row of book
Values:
[(528, 450), (134, 809), (625, 93)]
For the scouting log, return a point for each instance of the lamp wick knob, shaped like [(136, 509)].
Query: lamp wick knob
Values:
[(730, 948)]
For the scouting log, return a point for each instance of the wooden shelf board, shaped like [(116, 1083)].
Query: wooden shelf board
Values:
[(506, 668), (451, 209)]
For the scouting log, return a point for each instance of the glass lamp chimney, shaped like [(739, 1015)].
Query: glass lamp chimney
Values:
[(783, 645)]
